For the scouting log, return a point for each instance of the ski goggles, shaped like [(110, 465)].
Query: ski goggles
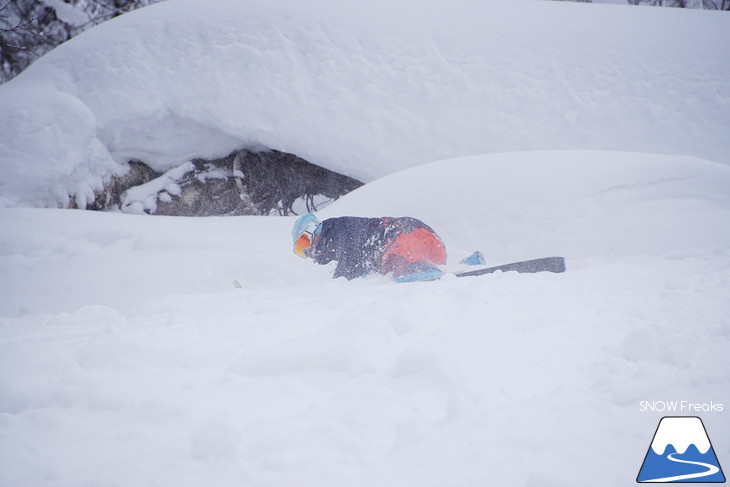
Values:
[(305, 240), (302, 243)]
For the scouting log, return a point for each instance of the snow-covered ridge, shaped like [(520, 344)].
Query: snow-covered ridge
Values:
[(364, 90)]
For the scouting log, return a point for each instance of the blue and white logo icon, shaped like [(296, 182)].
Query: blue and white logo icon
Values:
[(681, 452)]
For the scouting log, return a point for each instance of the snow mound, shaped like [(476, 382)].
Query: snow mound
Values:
[(364, 90), (581, 204)]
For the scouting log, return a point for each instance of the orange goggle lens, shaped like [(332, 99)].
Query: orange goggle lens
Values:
[(302, 243)]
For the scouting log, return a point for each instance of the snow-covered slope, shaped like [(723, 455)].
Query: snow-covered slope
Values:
[(127, 358), (363, 88)]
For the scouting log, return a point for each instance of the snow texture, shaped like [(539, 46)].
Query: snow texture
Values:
[(363, 89), (128, 358)]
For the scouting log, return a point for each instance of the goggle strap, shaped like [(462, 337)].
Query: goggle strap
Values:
[(312, 227)]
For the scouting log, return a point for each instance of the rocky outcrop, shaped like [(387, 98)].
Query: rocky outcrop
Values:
[(110, 196), (243, 183)]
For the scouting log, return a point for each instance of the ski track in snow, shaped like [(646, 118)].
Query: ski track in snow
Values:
[(128, 358)]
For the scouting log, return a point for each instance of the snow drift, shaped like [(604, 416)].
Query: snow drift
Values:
[(364, 90), (127, 358)]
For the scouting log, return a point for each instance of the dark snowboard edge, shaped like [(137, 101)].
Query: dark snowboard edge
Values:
[(546, 264)]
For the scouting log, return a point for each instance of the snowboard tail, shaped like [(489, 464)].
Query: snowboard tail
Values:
[(546, 264)]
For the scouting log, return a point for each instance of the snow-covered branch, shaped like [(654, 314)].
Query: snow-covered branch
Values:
[(29, 28)]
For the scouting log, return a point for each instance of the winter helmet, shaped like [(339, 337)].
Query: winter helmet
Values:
[(303, 232)]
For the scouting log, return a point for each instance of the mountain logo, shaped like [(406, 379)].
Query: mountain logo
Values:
[(681, 452)]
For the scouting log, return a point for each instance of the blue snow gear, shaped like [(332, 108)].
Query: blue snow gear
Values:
[(477, 258)]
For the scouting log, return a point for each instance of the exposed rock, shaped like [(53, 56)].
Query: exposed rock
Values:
[(110, 197), (275, 180), (243, 183)]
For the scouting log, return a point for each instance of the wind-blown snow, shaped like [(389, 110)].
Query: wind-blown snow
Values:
[(127, 357), (362, 88)]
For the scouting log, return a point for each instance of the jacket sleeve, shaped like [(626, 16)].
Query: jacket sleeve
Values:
[(349, 270), (346, 240)]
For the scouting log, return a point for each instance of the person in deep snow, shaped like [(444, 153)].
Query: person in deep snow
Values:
[(399, 246)]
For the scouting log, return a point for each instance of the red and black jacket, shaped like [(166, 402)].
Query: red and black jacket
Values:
[(364, 245)]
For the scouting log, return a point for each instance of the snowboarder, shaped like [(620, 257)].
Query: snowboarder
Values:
[(400, 246)]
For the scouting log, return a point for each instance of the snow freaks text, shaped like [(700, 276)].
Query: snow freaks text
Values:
[(680, 407)]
